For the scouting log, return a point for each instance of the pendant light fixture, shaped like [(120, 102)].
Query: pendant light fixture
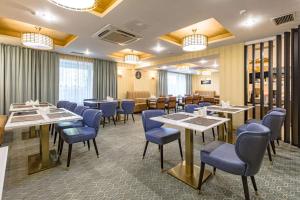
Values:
[(75, 5), (194, 42), (131, 58), (37, 40)]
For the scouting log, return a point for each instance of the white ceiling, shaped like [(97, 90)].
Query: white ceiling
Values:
[(158, 17)]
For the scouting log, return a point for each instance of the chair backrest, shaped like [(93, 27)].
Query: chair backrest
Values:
[(92, 118), (71, 106), (196, 99), (128, 106), (274, 121), (89, 104), (80, 109), (108, 108), (278, 110), (188, 100), (62, 104), (190, 108), (172, 102), (251, 146), (204, 104), (160, 103), (149, 124)]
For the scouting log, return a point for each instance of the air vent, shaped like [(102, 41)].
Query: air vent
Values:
[(78, 53), (284, 19), (115, 35)]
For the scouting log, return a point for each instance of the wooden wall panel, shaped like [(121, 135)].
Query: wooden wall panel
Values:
[(294, 88), (278, 71), (246, 82), (253, 81), (262, 78), (287, 88), (270, 74)]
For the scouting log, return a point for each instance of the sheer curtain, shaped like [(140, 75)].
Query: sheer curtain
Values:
[(75, 79), (162, 83), (176, 84)]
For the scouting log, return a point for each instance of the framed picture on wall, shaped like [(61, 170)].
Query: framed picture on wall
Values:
[(205, 82)]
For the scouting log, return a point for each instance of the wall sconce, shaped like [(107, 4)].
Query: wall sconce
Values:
[(152, 74), (120, 73)]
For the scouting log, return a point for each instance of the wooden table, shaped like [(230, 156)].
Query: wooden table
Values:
[(3, 160), (229, 111), (187, 171), (41, 117)]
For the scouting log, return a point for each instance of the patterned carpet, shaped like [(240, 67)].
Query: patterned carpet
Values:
[(120, 173)]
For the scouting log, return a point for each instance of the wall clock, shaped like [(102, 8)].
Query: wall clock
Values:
[(138, 75)]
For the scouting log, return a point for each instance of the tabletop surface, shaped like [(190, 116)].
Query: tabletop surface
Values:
[(3, 160), (230, 109), (39, 116), (191, 121), (15, 107)]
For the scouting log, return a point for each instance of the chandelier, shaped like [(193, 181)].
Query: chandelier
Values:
[(194, 42), (37, 40), (131, 59), (75, 5)]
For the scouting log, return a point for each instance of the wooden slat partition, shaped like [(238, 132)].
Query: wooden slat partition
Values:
[(253, 80), (287, 88), (278, 70), (294, 96), (246, 80), (262, 78), (270, 74)]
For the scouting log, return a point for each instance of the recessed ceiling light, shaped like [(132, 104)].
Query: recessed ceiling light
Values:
[(215, 65), (203, 61), (164, 67), (158, 48), (87, 52), (250, 22), (47, 16)]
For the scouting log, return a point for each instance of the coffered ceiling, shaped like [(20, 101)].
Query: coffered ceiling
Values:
[(151, 20)]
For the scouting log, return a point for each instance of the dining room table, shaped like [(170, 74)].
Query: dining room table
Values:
[(229, 112), (187, 171), (43, 117)]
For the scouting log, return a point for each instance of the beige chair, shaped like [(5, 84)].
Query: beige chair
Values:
[(171, 104), (158, 104), (3, 119), (140, 99), (196, 99)]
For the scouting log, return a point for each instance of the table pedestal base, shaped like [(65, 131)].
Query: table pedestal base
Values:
[(179, 172), (35, 163), (32, 133)]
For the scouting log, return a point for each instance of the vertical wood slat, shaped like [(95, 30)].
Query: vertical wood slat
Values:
[(278, 71), (294, 103), (287, 88), (253, 81), (297, 91), (246, 80), (262, 78), (270, 74)]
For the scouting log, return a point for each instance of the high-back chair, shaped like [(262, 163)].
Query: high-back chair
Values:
[(158, 104), (109, 110), (238, 159), (190, 108), (171, 104), (155, 133), (62, 104), (274, 121), (127, 108), (188, 100), (70, 124), (89, 131), (196, 99), (90, 104), (71, 106)]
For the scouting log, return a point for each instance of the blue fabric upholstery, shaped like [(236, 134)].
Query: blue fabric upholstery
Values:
[(80, 109), (239, 159), (63, 125), (190, 108), (108, 108), (62, 104), (71, 106), (162, 135), (205, 104), (127, 107), (149, 124), (91, 121), (89, 104)]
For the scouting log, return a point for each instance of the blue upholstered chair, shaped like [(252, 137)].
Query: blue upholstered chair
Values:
[(238, 159), (71, 124), (127, 108), (90, 104), (62, 104), (71, 106), (155, 133), (274, 121), (89, 131), (109, 110)]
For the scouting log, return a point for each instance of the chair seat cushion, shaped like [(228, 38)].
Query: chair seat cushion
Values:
[(222, 156), (74, 135), (71, 124), (162, 135)]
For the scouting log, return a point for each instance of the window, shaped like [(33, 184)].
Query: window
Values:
[(75, 80), (176, 84)]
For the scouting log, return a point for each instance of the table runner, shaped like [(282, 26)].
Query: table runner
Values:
[(202, 121), (27, 118), (177, 116), (59, 115)]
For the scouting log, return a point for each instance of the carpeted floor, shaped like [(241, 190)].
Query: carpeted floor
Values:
[(120, 173)]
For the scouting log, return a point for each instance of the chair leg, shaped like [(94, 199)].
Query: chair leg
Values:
[(203, 137), (161, 157), (245, 185), (145, 149), (225, 127), (201, 176), (55, 135), (269, 153), (124, 118), (88, 143), (277, 142), (215, 169), (168, 111), (273, 147), (254, 184), (132, 117), (180, 149), (213, 132), (69, 155), (103, 122), (96, 148), (61, 146), (113, 118)]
